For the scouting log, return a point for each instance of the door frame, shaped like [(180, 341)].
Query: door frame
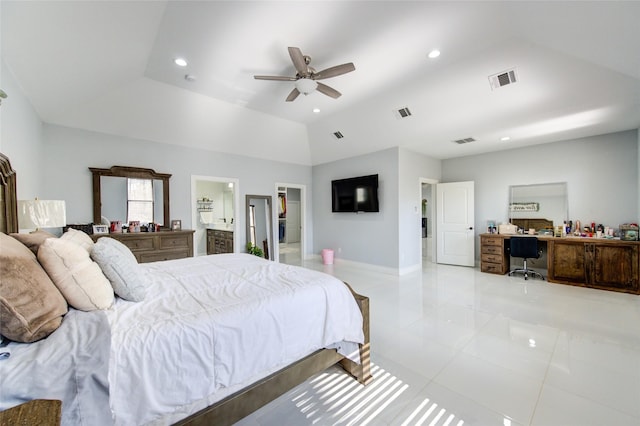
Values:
[(236, 206), (432, 214), (303, 217)]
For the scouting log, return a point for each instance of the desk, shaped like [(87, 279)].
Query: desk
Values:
[(586, 262)]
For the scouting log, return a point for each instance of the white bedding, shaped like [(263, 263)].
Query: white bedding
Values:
[(213, 324)]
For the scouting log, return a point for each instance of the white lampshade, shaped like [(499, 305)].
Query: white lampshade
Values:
[(34, 214), (306, 85)]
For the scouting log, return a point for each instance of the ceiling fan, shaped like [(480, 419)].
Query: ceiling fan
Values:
[(306, 76)]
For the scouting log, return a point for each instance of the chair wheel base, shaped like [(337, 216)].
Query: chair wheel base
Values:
[(527, 273)]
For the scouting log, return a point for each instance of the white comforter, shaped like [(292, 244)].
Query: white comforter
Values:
[(210, 325)]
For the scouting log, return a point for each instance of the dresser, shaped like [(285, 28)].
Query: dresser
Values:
[(494, 257), (155, 246), (219, 241)]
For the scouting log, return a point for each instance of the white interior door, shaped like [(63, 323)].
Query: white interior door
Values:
[(293, 222), (455, 221)]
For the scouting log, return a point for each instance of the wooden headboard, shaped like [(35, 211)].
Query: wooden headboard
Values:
[(536, 224), (8, 198)]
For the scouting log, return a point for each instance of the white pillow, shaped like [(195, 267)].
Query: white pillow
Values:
[(121, 268), (78, 278), (78, 237)]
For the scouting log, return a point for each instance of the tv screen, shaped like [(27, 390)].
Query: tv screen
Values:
[(358, 194)]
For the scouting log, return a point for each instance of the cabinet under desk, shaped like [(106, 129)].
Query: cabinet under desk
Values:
[(586, 262)]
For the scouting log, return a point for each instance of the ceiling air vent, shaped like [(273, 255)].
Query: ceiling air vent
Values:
[(502, 79), (402, 112), (338, 135), (465, 140)]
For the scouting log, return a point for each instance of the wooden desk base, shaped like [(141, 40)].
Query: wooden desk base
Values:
[(586, 262)]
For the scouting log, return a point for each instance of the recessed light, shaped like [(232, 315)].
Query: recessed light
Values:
[(505, 138), (316, 110), (434, 54), (180, 62)]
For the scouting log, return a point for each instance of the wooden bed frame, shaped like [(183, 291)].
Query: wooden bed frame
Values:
[(244, 402)]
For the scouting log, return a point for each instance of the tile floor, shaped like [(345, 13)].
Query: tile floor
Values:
[(454, 346)]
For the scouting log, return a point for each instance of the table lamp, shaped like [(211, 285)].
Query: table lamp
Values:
[(36, 214)]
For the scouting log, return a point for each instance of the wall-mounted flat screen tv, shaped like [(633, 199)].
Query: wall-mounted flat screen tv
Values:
[(358, 194)]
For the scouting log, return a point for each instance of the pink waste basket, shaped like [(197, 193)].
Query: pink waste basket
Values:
[(327, 256)]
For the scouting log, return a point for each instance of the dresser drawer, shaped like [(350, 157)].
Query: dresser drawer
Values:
[(492, 258), (163, 255), (492, 250), (491, 241), (136, 244), (492, 268), (177, 241)]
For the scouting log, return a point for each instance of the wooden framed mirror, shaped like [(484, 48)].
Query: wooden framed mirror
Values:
[(103, 183)]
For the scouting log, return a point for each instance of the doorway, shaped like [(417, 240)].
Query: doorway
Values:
[(427, 219), (290, 232), (214, 205)]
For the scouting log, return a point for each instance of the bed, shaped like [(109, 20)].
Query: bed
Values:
[(215, 338)]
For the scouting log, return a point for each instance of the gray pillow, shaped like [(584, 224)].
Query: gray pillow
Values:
[(120, 266)]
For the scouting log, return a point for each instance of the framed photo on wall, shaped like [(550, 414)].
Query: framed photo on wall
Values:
[(176, 225)]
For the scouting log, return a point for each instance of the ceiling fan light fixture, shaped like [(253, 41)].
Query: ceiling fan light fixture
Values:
[(306, 85)]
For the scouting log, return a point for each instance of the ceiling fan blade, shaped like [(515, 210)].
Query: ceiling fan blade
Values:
[(298, 61), (274, 77), (334, 71), (329, 91), (293, 95)]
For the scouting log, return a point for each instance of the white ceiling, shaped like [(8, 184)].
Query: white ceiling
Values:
[(108, 67)]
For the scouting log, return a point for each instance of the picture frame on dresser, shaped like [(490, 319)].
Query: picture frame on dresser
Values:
[(100, 229), (176, 225)]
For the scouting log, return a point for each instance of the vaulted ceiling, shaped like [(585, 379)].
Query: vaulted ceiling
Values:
[(107, 66)]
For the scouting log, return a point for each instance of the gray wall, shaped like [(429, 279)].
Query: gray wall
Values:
[(70, 152), (601, 174), (362, 237), (21, 138), (412, 167)]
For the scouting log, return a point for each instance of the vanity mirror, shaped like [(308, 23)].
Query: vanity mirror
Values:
[(538, 206), (110, 193)]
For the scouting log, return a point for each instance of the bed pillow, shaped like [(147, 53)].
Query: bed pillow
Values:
[(121, 268), (31, 306), (33, 240), (78, 237), (78, 278)]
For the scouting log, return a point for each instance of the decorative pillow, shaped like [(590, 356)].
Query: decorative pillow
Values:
[(31, 306), (79, 238), (78, 278), (121, 268), (33, 240)]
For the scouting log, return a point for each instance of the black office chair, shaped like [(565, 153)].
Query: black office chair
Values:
[(526, 248)]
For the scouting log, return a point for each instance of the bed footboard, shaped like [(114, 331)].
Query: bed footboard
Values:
[(362, 371), (251, 398)]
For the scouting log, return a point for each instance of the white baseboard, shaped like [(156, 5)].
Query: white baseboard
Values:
[(369, 266)]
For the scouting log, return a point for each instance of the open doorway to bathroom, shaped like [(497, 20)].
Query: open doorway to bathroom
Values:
[(290, 230), (427, 203), (214, 207)]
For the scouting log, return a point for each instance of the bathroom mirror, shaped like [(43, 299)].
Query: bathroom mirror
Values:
[(259, 223), (538, 206), (110, 193)]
